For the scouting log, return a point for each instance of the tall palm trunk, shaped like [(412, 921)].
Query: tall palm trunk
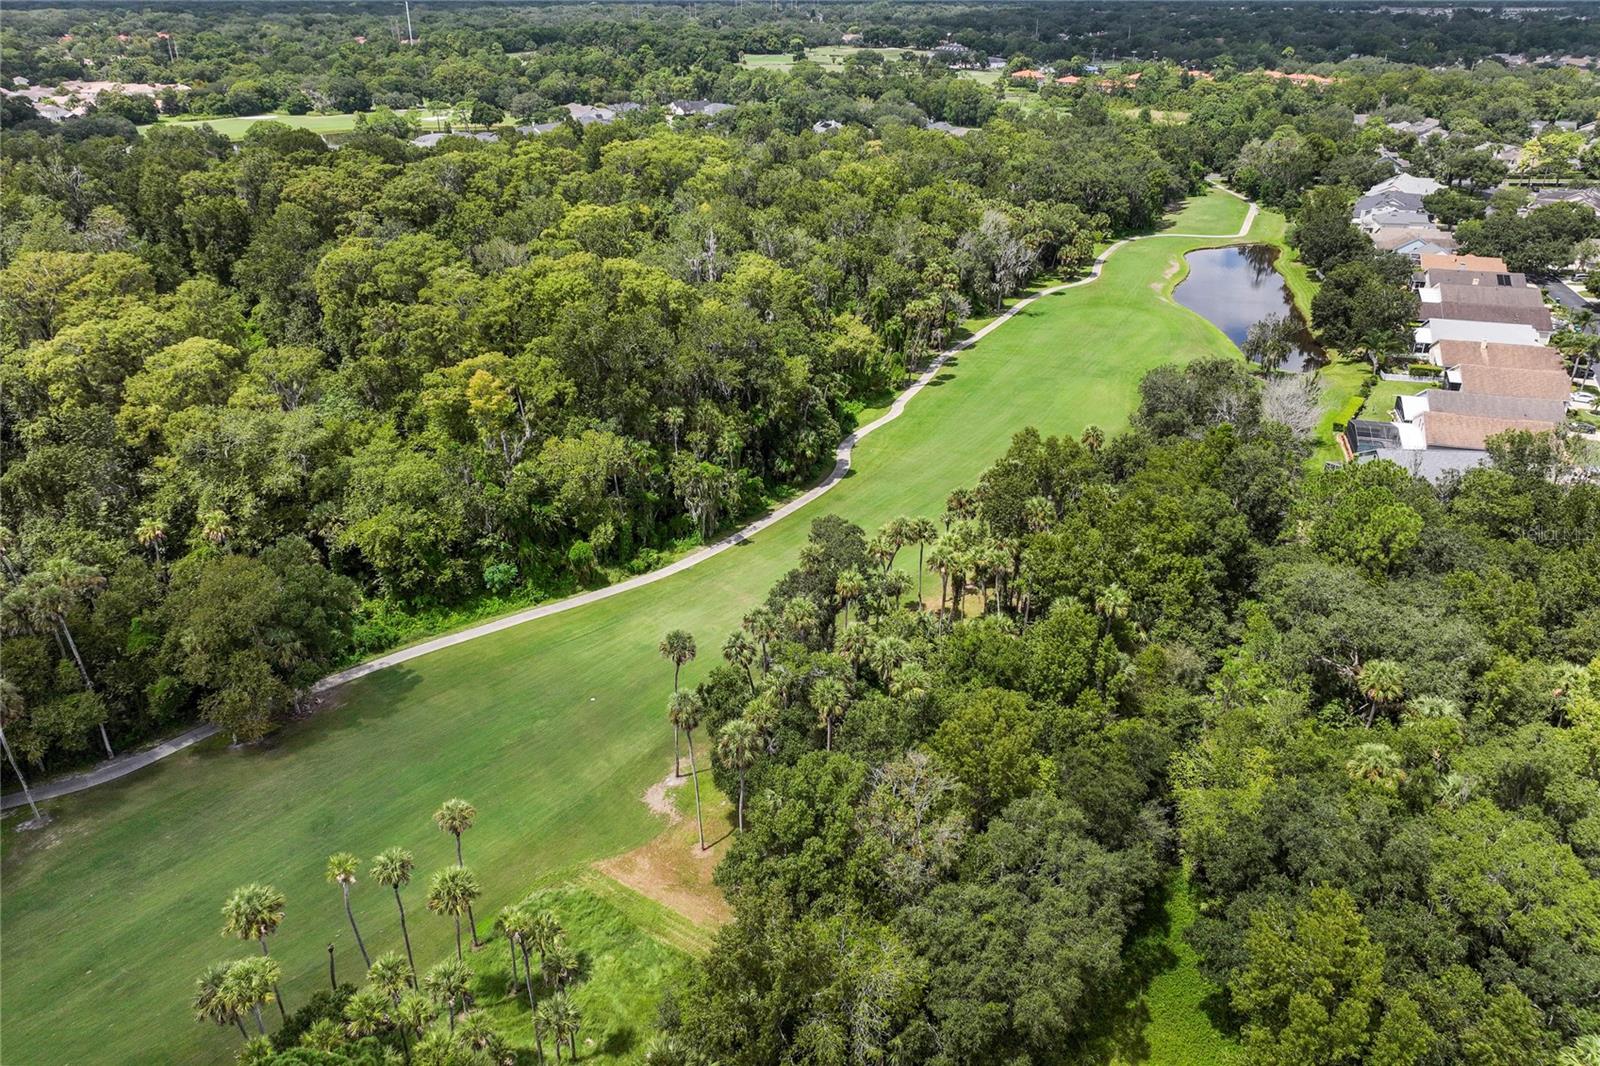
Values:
[(694, 771), (827, 725), (261, 1025), (405, 1045), (350, 914), (406, 933), (83, 672), (511, 946), (944, 590), (741, 801), (458, 937), (242, 1030), (472, 927), (527, 980), (920, 546), (677, 757), (472, 919), (27, 793), (275, 992)]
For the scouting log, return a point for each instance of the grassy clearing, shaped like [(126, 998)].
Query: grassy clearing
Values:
[(1178, 1002), (830, 55), (554, 729), (1380, 401)]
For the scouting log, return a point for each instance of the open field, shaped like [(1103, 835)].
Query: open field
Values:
[(236, 128), (828, 55), (554, 729)]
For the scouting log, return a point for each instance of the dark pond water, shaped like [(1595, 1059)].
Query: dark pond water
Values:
[(1236, 287)]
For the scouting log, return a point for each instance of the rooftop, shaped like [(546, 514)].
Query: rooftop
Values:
[(1513, 356), (1515, 382), (1463, 262)]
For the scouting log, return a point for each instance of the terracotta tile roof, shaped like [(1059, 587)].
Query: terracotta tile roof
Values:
[(1510, 356), (1511, 381), (1391, 237), (1444, 429), (1464, 262)]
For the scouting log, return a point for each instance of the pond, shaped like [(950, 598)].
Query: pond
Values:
[(1238, 286)]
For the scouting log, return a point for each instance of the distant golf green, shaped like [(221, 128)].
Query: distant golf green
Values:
[(554, 729)]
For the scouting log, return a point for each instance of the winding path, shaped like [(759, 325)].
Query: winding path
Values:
[(122, 765)]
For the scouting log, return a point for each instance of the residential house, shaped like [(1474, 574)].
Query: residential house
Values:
[(851, 38), (1458, 353), (1443, 418), (1423, 129), (1545, 384), (826, 125), (681, 108), (1589, 198), (539, 128), (1492, 304), (1411, 183), (1388, 200), (1441, 278), (1394, 218), (1464, 262), (945, 127), (1415, 242), (1037, 76), (587, 115), (1434, 330), (428, 140)]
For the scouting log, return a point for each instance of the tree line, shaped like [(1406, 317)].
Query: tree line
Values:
[(1353, 709)]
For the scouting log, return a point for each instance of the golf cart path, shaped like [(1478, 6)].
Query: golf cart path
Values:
[(122, 765)]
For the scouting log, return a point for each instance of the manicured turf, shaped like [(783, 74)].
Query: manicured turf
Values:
[(828, 56), (554, 729)]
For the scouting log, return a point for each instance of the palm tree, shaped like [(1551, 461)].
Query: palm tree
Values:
[(738, 744), (561, 963), (479, 1034), (762, 625), (1377, 763), (152, 535), (211, 1004), (921, 532), (254, 912), (391, 975), (324, 1034), (11, 708), (367, 1013), (940, 559), (1433, 708), (678, 648), (1094, 438), (886, 654), (412, 1015), (881, 548), (855, 644), (829, 699), (450, 984), (1113, 604), (684, 710), (455, 816), (1038, 514), (564, 1022), (546, 935), (392, 869), (215, 528), (518, 926), (42, 599), (342, 872), (800, 616), (1382, 682), (249, 983), (958, 505), (451, 892), (740, 652), (849, 586)]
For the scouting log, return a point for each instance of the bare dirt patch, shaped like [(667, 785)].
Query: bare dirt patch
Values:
[(672, 869)]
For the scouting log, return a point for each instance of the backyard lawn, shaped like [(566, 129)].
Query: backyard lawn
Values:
[(554, 728)]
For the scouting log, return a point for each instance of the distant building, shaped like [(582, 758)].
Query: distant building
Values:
[(1589, 198), (586, 115), (827, 125), (1409, 183), (954, 131), (428, 140), (681, 108)]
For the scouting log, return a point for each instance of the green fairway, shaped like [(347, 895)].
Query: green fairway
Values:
[(829, 55), (236, 128), (554, 729)]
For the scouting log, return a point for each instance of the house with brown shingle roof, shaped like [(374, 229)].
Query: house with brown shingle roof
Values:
[(1460, 419), (1463, 262), (1488, 303), (1488, 353), (1546, 384)]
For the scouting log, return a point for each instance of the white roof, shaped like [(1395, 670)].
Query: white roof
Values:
[(1412, 183), (1435, 330)]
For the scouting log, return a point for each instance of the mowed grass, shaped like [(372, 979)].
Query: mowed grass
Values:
[(829, 55), (554, 729)]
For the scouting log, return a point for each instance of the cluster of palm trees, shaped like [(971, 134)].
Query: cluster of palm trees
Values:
[(393, 1001)]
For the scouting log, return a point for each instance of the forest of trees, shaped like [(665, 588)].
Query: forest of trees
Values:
[(1362, 707)]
